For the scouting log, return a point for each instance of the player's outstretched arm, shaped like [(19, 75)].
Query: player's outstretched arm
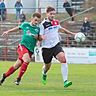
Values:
[(66, 31), (9, 31)]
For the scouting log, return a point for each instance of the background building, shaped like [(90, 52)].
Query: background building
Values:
[(28, 5), (57, 4), (34, 5)]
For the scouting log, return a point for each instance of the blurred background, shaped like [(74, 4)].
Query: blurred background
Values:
[(80, 10)]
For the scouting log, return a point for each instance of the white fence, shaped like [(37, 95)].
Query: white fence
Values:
[(74, 55)]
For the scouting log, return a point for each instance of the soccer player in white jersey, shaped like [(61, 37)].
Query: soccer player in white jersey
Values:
[(49, 30)]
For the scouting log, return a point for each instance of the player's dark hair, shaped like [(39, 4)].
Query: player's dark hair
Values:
[(49, 8), (36, 14)]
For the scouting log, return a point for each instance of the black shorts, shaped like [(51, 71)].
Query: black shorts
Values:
[(48, 53)]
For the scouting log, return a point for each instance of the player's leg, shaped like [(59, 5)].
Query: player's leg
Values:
[(10, 71), (26, 60), (64, 68), (47, 57), (45, 69), (60, 56)]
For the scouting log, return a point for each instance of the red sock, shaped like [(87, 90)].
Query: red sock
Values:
[(23, 69), (10, 71)]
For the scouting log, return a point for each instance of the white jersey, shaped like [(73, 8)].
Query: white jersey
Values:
[(50, 31)]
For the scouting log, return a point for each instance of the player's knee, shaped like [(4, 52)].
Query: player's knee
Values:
[(63, 60), (27, 60), (17, 65), (48, 67)]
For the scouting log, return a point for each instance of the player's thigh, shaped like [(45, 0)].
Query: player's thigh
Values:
[(59, 53), (47, 55), (17, 64), (61, 57), (26, 58)]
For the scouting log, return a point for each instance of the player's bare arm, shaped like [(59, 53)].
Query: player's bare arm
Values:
[(66, 31), (11, 30)]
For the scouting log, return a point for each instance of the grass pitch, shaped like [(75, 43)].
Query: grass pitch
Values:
[(82, 76)]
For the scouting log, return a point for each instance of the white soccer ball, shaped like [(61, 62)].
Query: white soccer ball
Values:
[(79, 37)]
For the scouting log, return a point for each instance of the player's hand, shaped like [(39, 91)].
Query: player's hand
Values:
[(5, 33), (74, 33), (43, 37)]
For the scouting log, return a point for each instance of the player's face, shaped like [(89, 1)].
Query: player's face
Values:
[(51, 15), (35, 20)]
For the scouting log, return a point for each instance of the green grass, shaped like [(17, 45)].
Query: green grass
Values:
[(82, 76)]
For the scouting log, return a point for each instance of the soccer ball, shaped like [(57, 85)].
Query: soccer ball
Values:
[(79, 37)]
